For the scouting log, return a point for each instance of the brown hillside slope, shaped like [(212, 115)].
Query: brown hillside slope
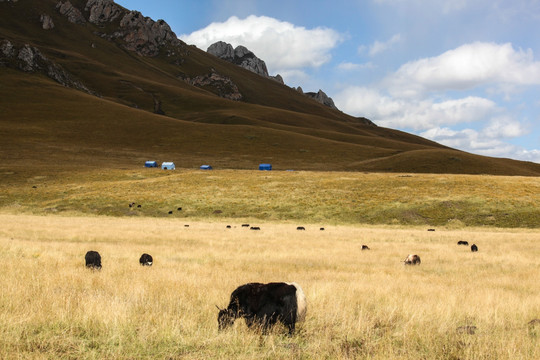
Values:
[(43, 120)]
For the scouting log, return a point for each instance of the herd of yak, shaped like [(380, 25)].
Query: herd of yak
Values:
[(261, 305)]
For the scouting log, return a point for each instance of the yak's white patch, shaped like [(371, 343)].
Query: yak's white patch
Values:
[(301, 303), (149, 263)]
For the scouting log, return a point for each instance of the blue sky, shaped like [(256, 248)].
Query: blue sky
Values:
[(465, 73)]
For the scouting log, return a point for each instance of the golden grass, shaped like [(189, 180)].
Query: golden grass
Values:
[(361, 304)]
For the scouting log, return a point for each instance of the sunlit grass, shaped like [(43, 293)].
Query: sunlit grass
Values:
[(361, 304), (312, 197)]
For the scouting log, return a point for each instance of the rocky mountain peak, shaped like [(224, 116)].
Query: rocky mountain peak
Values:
[(139, 33), (321, 97), (242, 57)]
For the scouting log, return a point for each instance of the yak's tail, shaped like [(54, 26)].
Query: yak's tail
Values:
[(301, 303)]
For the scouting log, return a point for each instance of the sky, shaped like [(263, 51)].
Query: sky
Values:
[(464, 73)]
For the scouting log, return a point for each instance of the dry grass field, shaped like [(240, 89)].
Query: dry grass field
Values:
[(361, 304), (311, 197)]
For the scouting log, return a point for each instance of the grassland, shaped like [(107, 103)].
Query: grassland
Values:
[(451, 201), (361, 304)]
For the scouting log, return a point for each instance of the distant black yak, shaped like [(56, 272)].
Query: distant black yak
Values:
[(412, 260), (263, 305), (93, 260), (254, 228), (365, 247), (245, 225), (461, 242), (146, 260), (474, 248), (321, 229), (300, 228)]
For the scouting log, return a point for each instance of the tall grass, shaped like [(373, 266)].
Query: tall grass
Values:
[(361, 304)]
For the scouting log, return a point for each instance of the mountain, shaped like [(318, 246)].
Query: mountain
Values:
[(88, 83)]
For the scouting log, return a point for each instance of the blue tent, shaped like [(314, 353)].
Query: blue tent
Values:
[(206, 167), (265, 167), (167, 166), (150, 164)]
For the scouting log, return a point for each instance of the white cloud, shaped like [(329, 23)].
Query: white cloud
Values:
[(466, 67), (348, 66), (413, 114), (505, 127), (282, 45), (432, 96), (378, 47), (482, 142)]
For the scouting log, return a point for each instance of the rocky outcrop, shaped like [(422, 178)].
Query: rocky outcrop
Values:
[(322, 98), (144, 35), (242, 57), (102, 11), (222, 50), (138, 33), (73, 14), (29, 59), (319, 97), (217, 84), (46, 22)]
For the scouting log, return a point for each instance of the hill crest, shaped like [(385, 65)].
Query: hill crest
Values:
[(120, 88)]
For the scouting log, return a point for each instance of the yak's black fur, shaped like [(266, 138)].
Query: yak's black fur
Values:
[(262, 305), (93, 260), (146, 260)]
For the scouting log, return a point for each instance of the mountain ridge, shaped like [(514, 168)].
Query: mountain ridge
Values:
[(143, 103)]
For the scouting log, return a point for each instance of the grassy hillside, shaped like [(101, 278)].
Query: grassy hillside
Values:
[(43, 121), (315, 198)]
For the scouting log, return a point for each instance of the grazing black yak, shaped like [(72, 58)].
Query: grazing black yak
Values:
[(461, 242), (265, 304), (365, 247), (300, 228), (146, 260), (412, 260), (254, 228), (93, 260), (474, 248)]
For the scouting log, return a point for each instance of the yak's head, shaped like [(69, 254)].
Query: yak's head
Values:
[(225, 318)]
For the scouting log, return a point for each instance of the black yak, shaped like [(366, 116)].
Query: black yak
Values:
[(474, 248), (93, 260), (412, 260), (300, 228), (461, 242), (254, 228), (263, 305), (146, 260), (365, 247)]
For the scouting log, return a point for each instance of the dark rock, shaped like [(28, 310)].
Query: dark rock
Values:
[(46, 22)]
